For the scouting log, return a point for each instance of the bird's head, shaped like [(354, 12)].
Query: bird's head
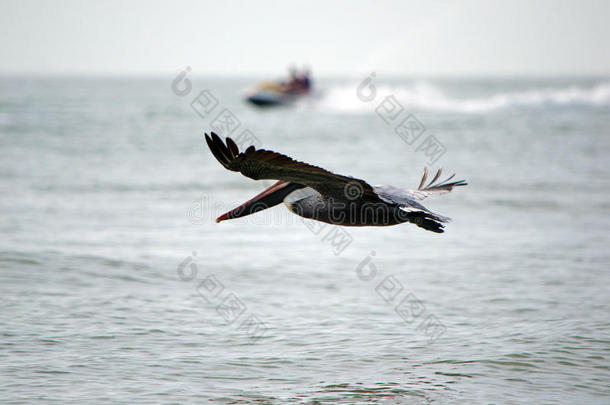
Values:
[(271, 196)]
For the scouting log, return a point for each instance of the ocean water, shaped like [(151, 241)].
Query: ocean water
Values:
[(118, 286)]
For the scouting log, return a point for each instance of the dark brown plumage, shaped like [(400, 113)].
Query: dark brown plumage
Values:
[(260, 164), (336, 199)]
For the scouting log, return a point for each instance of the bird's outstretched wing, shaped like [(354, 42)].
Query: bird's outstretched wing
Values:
[(410, 197), (259, 164), (434, 186), (408, 200)]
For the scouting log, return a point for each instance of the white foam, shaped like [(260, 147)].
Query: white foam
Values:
[(427, 96)]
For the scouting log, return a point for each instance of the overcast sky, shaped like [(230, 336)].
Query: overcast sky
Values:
[(334, 37)]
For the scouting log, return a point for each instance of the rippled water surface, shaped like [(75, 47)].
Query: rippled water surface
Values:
[(117, 285)]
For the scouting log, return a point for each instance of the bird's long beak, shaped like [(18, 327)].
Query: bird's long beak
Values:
[(268, 198)]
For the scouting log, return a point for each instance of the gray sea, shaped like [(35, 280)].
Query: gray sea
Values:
[(117, 286)]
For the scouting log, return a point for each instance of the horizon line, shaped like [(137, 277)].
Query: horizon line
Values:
[(323, 75)]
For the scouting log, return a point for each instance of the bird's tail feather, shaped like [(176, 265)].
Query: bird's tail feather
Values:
[(428, 220)]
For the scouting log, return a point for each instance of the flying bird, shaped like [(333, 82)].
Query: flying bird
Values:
[(315, 193)]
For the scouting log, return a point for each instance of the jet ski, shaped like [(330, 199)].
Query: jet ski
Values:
[(269, 97), (269, 94)]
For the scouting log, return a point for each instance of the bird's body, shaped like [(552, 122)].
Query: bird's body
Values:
[(346, 212), (315, 193)]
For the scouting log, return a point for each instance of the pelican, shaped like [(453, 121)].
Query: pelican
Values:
[(315, 193)]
